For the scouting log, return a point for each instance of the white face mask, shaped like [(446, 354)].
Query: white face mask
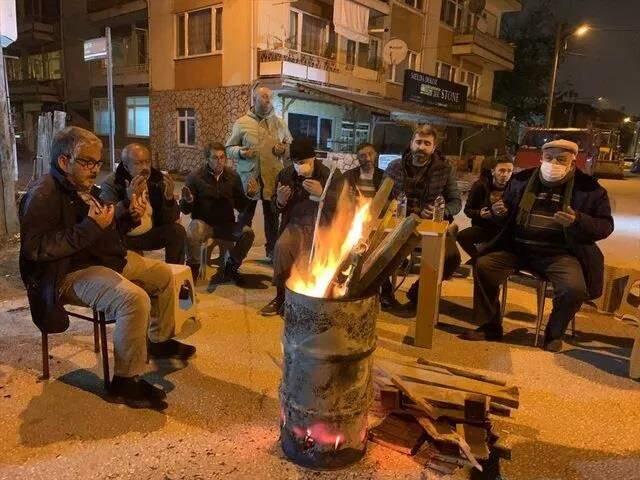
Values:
[(303, 169), (553, 172)]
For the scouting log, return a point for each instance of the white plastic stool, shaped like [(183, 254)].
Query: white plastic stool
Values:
[(634, 362), (182, 273)]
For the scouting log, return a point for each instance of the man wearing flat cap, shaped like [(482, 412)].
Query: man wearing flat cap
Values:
[(298, 190), (552, 217)]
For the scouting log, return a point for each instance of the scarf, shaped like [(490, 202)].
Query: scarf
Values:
[(529, 197)]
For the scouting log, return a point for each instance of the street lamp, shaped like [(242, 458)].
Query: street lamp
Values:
[(562, 35), (626, 120)]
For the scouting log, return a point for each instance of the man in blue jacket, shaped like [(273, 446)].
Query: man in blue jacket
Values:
[(552, 217)]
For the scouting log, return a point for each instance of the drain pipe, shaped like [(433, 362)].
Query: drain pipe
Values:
[(462, 142)]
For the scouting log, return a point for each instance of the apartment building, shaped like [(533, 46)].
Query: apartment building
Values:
[(46, 68), (327, 68)]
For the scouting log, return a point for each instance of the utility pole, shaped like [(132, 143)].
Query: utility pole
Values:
[(554, 75), (8, 210)]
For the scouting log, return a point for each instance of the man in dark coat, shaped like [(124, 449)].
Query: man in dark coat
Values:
[(553, 216), (159, 227), (298, 191), (212, 194), (422, 175), (72, 251), (486, 191)]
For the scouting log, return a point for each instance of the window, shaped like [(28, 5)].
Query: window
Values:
[(351, 52), (138, 116), (14, 68), (351, 138), (100, 110), (471, 80), (311, 34), (446, 71), (368, 54), (417, 4), (396, 74), (318, 129), (451, 12), (199, 32), (44, 66), (186, 127)]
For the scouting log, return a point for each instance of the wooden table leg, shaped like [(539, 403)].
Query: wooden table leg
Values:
[(431, 265)]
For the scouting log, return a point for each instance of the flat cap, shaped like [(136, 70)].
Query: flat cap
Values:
[(562, 144)]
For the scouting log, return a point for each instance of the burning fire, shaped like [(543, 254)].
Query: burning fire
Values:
[(333, 245)]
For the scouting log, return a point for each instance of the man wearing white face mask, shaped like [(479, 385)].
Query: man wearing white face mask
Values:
[(298, 190), (552, 217)]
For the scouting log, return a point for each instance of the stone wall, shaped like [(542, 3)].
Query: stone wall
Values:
[(216, 109)]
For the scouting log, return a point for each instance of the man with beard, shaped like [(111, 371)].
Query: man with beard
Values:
[(366, 178), (553, 215), (423, 174), (485, 192), (159, 227), (259, 143), (211, 195), (299, 189), (72, 251)]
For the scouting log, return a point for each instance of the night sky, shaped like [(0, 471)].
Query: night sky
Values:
[(612, 67)]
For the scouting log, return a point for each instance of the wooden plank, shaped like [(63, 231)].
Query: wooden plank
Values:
[(431, 265), (390, 398), (461, 372), (444, 435), (476, 438), (476, 407), (402, 433), (508, 396), (377, 205)]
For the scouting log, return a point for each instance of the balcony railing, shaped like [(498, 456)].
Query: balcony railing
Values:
[(471, 42), (122, 74)]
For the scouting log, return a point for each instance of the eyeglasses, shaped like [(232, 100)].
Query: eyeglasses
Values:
[(88, 163)]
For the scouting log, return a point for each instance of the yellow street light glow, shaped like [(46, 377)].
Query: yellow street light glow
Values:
[(582, 30), (627, 119)]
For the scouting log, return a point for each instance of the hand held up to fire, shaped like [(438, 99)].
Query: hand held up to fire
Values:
[(499, 209), (252, 187), (283, 195), (101, 214), (313, 187), (138, 206), (137, 186), (566, 218)]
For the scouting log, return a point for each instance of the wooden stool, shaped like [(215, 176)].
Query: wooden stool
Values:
[(206, 249), (182, 274), (626, 307), (542, 284), (99, 343)]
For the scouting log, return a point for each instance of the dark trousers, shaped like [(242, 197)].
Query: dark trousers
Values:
[(172, 237), (294, 244), (270, 221), (470, 238), (563, 271), (238, 240)]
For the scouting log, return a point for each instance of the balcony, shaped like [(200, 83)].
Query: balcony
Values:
[(289, 63), (36, 31), (476, 46), (122, 74), (105, 9), (35, 90)]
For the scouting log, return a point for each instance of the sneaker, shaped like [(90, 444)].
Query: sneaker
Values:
[(554, 346), (136, 393), (171, 349), (274, 307), (485, 332)]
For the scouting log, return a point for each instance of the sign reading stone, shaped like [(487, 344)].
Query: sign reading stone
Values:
[(427, 90)]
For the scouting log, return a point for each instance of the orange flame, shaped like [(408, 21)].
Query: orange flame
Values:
[(333, 245)]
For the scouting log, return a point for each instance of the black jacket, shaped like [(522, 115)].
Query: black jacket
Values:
[(593, 223), (214, 201), (114, 190), (57, 237), (300, 209), (480, 197), (352, 176)]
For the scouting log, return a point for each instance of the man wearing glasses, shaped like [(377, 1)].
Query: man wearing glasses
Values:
[(158, 227), (72, 252)]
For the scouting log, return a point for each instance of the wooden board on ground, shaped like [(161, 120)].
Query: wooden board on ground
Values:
[(476, 438), (508, 396), (399, 432), (461, 372)]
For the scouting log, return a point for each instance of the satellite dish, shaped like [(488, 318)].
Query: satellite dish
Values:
[(394, 51), (477, 6)]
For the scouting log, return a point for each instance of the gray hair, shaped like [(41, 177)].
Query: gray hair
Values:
[(69, 140)]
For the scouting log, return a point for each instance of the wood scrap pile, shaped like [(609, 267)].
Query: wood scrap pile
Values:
[(440, 413)]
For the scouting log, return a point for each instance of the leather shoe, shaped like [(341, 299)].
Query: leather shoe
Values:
[(554, 346), (274, 307), (136, 393), (485, 332), (171, 349)]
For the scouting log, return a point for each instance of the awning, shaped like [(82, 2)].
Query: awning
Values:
[(351, 20), (395, 109)]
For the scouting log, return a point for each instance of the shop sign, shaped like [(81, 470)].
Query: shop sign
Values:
[(432, 91)]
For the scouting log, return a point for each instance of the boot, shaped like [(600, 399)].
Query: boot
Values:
[(136, 393), (231, 273), (488, 332), (275, 306)]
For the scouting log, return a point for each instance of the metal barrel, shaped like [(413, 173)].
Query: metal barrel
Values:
[(326, 388)]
